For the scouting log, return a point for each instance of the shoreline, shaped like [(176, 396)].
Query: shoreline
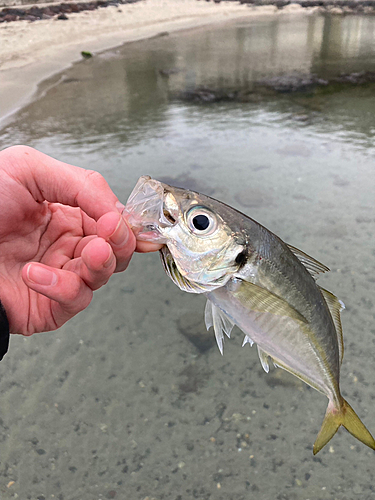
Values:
[(32, 52), (60, 10)]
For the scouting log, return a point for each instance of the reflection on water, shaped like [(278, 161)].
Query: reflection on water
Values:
[(124, 402), (122, 94)]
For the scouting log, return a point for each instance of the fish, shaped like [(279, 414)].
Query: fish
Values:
[(254, 280)]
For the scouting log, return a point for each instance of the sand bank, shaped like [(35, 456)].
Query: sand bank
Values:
[(33, 51)]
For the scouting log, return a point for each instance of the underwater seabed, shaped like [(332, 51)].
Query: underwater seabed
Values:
[(132, 398)]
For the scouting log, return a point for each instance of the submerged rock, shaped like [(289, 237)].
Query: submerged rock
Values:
[(267, 88), (207, 95), (293, 83), (169, 71), (332, 6)]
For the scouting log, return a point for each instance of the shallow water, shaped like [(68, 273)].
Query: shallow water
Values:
[(120, 403)]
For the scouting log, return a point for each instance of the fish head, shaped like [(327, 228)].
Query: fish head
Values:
[(201, 244)]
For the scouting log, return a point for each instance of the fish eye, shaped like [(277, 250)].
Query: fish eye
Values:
[(201, 221)]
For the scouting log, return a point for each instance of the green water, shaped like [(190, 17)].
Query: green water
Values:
[(120, 403)]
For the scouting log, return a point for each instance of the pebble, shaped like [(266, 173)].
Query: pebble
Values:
[(357, 489)]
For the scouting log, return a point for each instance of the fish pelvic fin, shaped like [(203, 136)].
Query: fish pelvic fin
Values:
[(347, 417), (217, 318)]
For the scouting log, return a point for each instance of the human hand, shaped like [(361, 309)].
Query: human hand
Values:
[(62, 236)]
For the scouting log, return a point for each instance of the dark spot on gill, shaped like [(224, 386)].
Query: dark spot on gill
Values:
[(241, 259)]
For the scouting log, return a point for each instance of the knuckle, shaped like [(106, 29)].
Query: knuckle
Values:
[(79, 300), (17, 151), (96, 179), (74, 292), (95, 285), (98, 278)]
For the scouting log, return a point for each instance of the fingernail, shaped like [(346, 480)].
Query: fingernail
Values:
[(41, 276), (120, 207), (110, 260), (121, 234)]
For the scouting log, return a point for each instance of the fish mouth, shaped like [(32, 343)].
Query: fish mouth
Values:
[(145, 210)]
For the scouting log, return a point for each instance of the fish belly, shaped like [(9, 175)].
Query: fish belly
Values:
[(285, 340)]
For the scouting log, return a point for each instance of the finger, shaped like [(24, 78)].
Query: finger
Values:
[(69, 291), (113, 228), (81, 245), (88, 224), (96, 264), (147, 246), (54, 181)]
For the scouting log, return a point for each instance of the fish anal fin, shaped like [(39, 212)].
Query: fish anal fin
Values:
[(263, 356), (312, 265), (222, 324), (346, 417), (335, 306)]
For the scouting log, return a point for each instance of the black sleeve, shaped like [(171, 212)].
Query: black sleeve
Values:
[(4, 332)]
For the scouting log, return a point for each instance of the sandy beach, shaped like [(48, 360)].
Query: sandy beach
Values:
[(33, 51)]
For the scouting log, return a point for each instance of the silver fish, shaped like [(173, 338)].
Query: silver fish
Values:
[(254, 280)]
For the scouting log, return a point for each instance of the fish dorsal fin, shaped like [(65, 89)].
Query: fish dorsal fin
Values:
[(335, 306), (217, 318), (312, 265), (259, 299), (172, 271), (263, 356)]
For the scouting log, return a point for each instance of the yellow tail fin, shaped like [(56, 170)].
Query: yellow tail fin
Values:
[(346, 417)]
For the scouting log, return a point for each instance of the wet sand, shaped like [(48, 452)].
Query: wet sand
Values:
[(30, 52)]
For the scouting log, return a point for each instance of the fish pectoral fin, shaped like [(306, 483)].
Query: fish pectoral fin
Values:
[(312, 265), (172, 271), (346, 417), (263, 356), (262, 300), (335, 306), (217, 318)]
